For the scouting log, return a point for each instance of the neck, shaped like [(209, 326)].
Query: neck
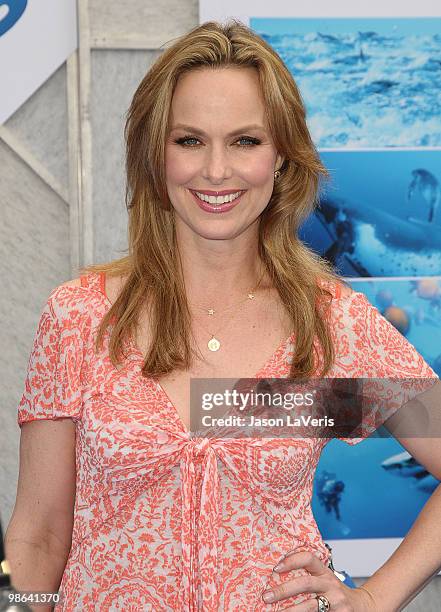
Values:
[(219, 272)]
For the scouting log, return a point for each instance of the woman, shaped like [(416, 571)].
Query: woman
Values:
[(221, 172)]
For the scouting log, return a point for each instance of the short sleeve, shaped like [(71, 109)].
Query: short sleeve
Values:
[(52, 387), (393, 371)]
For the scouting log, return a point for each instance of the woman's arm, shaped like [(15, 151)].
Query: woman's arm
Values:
[(418, 558), (413, 564), (38, 537)]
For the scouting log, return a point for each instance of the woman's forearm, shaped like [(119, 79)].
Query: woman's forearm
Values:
[(35, 567), (413, 564)]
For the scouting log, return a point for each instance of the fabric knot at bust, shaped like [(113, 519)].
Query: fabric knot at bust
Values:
[(198, 447)]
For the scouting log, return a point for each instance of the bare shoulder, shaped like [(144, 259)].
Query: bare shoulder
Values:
[(114, 285)]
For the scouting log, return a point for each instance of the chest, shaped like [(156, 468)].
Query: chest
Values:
[(246, 348), (250, 336)]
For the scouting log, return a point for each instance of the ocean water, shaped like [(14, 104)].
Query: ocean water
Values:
[(390, 204), (405, 184), (362, 87), (375, 503)]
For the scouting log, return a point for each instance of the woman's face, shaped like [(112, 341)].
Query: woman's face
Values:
[(220, 158)]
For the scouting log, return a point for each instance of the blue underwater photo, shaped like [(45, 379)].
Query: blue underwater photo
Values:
[(372, 93), (379, 214), (365, 82), (372, 490), (376, 489), (414, 308)]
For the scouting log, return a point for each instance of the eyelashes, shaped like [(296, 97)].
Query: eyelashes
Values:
[(184, 141)]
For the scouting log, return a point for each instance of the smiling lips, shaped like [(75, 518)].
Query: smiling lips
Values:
[(217, 201), (217, 197)]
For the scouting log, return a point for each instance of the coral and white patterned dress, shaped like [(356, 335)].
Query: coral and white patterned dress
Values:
[(162, 520)]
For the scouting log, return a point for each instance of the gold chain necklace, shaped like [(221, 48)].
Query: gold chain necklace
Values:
[(214, 343)]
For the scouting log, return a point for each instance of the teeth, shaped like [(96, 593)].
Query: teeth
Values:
[(218, 199)]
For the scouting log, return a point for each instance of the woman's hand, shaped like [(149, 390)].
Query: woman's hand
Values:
[(321, 581)]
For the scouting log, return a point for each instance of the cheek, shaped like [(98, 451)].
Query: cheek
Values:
[(179, 169), (259, 172)]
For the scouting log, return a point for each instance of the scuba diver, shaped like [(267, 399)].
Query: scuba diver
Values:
[(329, 492)]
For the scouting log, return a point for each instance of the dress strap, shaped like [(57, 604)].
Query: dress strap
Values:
[(103, 282), (333, 286)]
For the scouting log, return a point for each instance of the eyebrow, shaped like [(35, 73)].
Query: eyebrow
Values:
[(194, 130)]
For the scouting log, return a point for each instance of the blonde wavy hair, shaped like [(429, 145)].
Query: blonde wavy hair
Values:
[(152, 266)]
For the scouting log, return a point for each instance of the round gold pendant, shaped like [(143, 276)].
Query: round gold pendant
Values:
[(213, 344)]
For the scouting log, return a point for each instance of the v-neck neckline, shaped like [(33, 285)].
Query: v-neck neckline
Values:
[(139, 359), (166, 397)]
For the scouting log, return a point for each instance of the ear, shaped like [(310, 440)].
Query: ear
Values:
[(279, 162)]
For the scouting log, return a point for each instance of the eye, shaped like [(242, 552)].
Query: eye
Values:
[(192, 141), (187, 141), (248, 141)]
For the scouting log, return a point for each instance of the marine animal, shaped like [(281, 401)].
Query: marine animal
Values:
[(426, 185), (399, 318), (428, 289), (366, 241), (403, 464)]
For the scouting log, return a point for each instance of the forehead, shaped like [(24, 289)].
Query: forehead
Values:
[(225, 96)]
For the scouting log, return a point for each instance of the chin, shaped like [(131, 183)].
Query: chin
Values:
[(215, 227), (218, 233)]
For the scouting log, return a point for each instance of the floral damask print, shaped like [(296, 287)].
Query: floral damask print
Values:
[(164, 521)]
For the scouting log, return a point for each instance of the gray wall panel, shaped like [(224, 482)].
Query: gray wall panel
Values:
[(115, 77), (429, 600), (34, 259), (41, 125), (138, 22)]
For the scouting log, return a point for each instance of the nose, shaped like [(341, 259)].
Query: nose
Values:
[(217, 167)]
